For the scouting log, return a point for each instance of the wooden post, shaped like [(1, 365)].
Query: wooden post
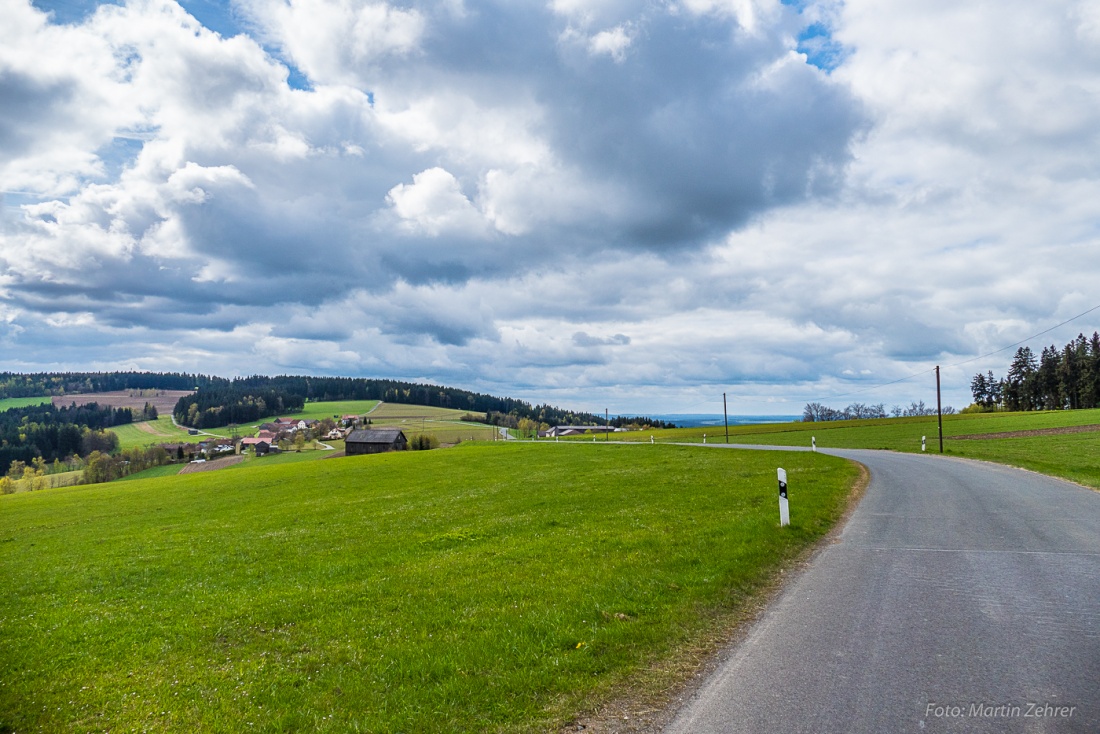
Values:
[(939, 406)]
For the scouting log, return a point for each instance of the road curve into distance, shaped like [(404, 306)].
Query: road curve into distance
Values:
[(959, 597)]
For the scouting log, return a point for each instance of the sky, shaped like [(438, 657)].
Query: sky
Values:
[(602, 204)]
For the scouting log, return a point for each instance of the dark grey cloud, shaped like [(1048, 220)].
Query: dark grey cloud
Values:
[(583, 339), (699, 127), (28, 104)]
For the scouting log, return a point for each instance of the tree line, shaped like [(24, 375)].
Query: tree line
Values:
[(1058, 379), (542, 417), (815, 412), (246, 399), (220, 406), (232, 396), (17, 385), (48, 433)]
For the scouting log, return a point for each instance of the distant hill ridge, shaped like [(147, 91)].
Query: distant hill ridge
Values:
[(220, 401)]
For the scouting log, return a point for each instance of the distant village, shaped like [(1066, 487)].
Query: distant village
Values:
[(287, 434)]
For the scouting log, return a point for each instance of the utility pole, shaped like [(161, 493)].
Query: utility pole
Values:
[(726, 416), (939, 406), (606, 425)]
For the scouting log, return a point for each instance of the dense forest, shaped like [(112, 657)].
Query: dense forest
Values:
[(48, 433), (221, 406), (15, 385), (1059, 379)]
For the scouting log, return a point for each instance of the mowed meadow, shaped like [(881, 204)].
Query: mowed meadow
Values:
[(490, 587)]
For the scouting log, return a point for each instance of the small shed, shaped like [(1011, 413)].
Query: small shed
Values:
[(375, 441)]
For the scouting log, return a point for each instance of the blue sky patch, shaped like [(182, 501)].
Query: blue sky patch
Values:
[(820, 48), (67, 12)]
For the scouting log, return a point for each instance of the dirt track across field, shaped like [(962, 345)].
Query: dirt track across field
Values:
[(163, 400), (1026, 434), (213, 465)]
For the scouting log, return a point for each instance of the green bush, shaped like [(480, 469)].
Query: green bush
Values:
[(423, 442)]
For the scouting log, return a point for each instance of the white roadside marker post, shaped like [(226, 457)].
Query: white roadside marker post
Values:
[(704, 439), (922, 442), (784, 511), (651, 439), (813, 442)]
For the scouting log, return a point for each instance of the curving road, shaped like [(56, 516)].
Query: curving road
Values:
[(960, 597)]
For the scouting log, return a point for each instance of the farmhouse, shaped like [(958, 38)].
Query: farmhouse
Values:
[(375, 441), (260, 446)]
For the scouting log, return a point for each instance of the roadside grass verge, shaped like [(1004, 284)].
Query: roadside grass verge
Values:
[(504, 587), (1073, 456)]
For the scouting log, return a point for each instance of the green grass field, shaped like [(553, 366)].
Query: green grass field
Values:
[(491, 587), (1073, 456), (167, 470), (327, 409), (9, 403), (145, 433), (442, 423)]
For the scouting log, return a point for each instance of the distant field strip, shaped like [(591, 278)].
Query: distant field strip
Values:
[(502, 588), (328, 409), (9, 403), (1061, 443), (145, 433), (389, 411), (1035, 432)]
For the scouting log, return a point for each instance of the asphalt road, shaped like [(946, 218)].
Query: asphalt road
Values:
[(959, 597)]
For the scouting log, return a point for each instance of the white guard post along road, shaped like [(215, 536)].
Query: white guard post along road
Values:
[(960, 597)]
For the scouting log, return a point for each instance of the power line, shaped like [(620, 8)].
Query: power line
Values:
[(974, 359), (1033, 336), (959, 364)]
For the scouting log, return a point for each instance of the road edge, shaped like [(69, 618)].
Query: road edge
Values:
[(638, 712)]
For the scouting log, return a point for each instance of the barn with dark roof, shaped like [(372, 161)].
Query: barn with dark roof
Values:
[(375, 441)]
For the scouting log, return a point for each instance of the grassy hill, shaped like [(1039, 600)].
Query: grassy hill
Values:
[(491, 587)]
